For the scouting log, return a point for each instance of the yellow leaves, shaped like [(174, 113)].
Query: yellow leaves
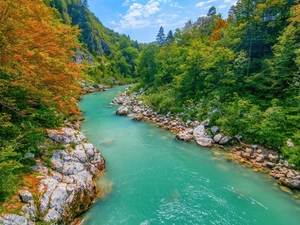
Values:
[(35, 50)]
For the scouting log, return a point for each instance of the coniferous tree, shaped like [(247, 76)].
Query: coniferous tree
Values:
[(170, 37), (212, 11), (161, 37)]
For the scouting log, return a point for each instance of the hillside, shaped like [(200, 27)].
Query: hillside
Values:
[(113, 54), (48, 50), (241, 73)]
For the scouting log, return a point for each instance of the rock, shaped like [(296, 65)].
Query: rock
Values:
[(58, 198), (294, 184), (148, 113), (204, 141), (138, 117), (66, 136), (225, 140), (238, 137), (214, 129), (25, 196), (290, 174), (136, 109), (79, 153), (13, 219), (205, 123), (289, 143), (52, 215), (254, 147), (57, 176), (260, 158), (29, 155), (246, 155), (259, 151), (123, 110), (29, 211), (46, 187), (273, 158), (70, 168), (184, 135), (218, 138), (249, 150), (199, 131)]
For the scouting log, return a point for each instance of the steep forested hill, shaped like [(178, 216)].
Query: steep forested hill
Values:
[(48, 48), (242, 73), (114, 54)]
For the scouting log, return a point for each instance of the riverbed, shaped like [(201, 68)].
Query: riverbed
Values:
[(153, 179)]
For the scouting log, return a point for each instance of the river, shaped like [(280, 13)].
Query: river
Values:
[(153, 179)]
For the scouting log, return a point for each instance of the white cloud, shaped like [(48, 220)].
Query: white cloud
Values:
[(227, 1), (209, 1), (200, 4), (222, 6), (126, 3), (176, 5), (138, 15)]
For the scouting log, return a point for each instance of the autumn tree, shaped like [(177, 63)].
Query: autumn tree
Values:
[(35, 56)]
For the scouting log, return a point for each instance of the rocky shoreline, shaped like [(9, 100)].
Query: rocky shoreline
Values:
[(65, 187), (262, 159)]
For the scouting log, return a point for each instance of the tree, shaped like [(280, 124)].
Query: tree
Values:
[(212, 11), (85, 3), (147, 64), (161, 37), (170, 37)]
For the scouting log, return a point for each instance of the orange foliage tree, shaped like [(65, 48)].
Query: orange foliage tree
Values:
[(35, 56), (215, 34)]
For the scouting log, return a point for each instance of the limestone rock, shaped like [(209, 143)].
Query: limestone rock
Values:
[(199, 131), (270, 165), (138, 117), (25, 196), (52, 215), (123, 110), (214, 129), (13, 219), (29, 211), (184, 135), (225, 140), (204, 141), (70, 168), (66, 136), (260, 158), (273, 158), (218, 138)]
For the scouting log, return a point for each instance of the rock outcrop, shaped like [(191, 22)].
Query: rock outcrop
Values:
[(67, 188)]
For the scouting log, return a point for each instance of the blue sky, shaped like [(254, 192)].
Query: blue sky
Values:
[(141, 19)]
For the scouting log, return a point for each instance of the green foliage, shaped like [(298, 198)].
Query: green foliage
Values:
[(241, 73), (10, 171), (114, 55)]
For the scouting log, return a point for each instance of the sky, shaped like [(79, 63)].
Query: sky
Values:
[(141, 19)]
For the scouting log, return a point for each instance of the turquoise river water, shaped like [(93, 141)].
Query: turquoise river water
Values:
[(153, 179)]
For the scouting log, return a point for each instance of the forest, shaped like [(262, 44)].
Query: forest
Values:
[(242, 73)]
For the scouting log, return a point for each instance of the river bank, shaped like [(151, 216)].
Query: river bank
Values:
[(258, 157), (62, 187)]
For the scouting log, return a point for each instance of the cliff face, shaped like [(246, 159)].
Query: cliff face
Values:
[(67, 188)]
